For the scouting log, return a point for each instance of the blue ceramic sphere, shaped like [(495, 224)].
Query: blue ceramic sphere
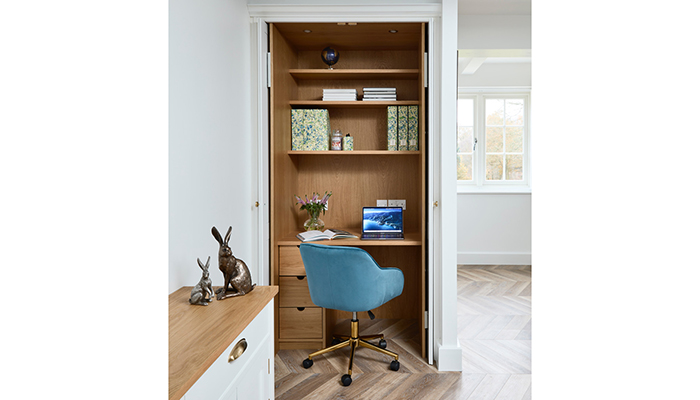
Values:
[(330, 56)]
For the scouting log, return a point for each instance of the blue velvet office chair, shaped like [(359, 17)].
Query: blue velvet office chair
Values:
[(348, 279)]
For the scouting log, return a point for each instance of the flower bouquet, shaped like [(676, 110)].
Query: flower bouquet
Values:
[(314, 206)]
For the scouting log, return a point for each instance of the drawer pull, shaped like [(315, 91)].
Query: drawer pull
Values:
[(238, 350), (301, 308), (301, 278)]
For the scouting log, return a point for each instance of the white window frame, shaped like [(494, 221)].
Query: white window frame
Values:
[(479, 184)]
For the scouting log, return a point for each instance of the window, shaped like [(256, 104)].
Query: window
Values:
[(493, 142)]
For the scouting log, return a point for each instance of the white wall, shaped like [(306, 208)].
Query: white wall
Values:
[(495, 228), (494, 32), (210, 135)]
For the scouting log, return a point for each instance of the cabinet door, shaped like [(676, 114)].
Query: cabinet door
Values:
[(222, 375), (252, 382)]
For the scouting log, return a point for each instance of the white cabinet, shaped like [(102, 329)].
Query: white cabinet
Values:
[(251, 375), (201, 340)]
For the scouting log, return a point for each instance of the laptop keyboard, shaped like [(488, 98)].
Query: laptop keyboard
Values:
[(382, 236)]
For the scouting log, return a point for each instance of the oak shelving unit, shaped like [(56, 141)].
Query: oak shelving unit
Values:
[(370, 56)]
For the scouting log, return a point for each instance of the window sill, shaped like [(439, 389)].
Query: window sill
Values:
[(493, 189)]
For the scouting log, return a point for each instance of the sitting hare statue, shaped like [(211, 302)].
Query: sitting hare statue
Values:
[(203, 288), (236, 273)]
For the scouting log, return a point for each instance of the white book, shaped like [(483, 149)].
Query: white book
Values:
[(379, 89)]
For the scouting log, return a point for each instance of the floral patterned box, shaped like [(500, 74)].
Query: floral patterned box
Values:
[(403, 128), (298, 131), (392, 129), (311, 129), (413, 128)]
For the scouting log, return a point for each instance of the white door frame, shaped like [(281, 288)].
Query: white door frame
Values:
[(261, 15)]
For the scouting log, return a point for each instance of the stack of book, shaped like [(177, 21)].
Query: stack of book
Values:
[(379, 94), (339, 94)]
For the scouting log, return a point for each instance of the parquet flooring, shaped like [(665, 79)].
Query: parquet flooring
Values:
[(494, 319)]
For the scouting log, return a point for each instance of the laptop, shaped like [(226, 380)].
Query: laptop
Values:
[(382, 223)]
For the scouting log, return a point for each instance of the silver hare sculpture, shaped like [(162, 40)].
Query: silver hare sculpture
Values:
[(203, 288), (237, 280)]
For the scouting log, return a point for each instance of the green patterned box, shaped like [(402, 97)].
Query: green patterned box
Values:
[(413, 128), (298, 131), (392, 129), (314, 126), (403, 128), (325, 128)]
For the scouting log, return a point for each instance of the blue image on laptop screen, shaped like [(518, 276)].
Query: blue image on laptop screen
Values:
[(382, 220)]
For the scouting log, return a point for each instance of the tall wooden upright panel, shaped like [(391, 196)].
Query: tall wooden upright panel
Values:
[(371, 55)]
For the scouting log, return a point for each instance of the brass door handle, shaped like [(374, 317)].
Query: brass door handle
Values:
[(257, 204), (238, 350), (435, 204)]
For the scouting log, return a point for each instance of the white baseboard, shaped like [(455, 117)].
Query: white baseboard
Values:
[(449, 358), (497, 258)]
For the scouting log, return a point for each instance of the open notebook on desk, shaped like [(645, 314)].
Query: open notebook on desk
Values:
[(328, 234)]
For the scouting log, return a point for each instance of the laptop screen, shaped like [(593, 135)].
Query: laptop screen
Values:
[(382, 220)]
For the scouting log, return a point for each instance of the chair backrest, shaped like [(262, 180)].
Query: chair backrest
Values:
[(348, 278)]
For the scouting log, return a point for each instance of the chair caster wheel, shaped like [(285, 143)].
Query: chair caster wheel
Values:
[(394, 366), (307, 363), (335, 341), (346, 380), (382, 344)]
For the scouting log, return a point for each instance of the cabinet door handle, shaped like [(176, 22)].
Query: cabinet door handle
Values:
[(238, 350)]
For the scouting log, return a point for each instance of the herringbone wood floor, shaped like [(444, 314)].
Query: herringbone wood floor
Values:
[(494, 317)]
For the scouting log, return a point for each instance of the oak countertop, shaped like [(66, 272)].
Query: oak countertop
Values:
[(199, 334)]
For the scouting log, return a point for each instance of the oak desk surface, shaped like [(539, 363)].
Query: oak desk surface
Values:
[(199, 334)]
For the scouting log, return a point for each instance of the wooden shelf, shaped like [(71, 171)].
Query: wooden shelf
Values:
[(365, 74), (411, 239), (354, 104), (353, 153)]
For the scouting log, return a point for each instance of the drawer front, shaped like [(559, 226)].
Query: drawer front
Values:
[(217, 378), (294, 292), (290, 261), (306, 323)]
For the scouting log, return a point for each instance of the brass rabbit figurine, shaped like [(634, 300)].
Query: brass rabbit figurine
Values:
[(237, 280), (203, 288)]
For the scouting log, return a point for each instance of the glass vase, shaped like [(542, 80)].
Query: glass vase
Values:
[(314, 223)]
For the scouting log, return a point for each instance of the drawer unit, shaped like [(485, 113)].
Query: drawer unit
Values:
[(290, 261), (301, 323), (294, 292)]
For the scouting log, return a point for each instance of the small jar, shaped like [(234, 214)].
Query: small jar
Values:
[(337, 140), (348, 144)]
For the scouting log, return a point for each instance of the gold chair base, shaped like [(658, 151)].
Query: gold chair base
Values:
[(355, 341)]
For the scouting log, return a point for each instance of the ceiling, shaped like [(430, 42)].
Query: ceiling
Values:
[(495, 7)]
